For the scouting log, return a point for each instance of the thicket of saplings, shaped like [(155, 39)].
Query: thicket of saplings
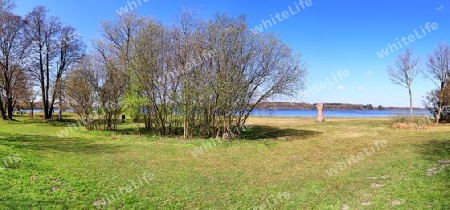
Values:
[(196, 78)]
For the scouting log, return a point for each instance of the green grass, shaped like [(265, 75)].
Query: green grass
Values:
[(279, 156)]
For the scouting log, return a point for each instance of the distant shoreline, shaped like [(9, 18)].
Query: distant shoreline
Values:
[(337, 113), (327, 106)]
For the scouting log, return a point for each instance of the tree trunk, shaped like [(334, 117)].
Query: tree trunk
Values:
[(410, 103), (49, 110), (60, 113), (10, 108), (42, 82), (186, 125), (439, 111), (60, 105), (2, 109)]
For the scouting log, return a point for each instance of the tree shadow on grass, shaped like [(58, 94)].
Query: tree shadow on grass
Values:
[(253, 133), (269, 132), (54, 123), (436, 150), (134, 131), (438, 153), (52, 143)]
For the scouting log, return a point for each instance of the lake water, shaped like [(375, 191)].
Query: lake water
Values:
[(336, 113), (327, 113)]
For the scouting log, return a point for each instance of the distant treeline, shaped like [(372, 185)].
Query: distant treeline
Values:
[(329, 106)]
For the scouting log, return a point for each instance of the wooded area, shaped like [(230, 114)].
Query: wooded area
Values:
[(196, 77)]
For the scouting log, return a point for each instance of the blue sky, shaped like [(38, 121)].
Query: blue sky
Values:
[(331, 35)]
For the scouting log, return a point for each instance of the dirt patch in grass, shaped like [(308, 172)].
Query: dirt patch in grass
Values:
[(443, 164)]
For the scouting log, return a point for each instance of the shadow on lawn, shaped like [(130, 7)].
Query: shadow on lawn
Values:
[(140, 131), (268, 132), (54, 123), (46, 143), (436, 150), (253, 133)]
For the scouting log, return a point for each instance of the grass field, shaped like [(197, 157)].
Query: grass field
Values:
[(283, 163)]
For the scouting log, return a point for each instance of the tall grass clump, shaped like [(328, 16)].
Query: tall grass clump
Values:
[(414, 123)]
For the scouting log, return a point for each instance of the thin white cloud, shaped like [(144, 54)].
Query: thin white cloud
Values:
[(360, 88), (369, 73), (341, 87), (440, 8)]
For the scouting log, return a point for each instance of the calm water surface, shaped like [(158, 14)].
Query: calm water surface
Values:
[(336, 113)]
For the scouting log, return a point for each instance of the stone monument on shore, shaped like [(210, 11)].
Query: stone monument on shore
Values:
[(320, 116)]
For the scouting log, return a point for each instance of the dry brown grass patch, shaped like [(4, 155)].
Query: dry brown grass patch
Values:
[(413, 126)]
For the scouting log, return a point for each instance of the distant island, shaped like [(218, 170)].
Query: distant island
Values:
[(328, 106)]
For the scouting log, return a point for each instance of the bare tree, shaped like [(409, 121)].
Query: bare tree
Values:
[(248, 69), (30, 98), (185, 47), (111, 89), (54, 49), (80, 90), (151, 63), (12, 51), (438, 66), (196, 78), (404, 72), (6, 6), (116, 53)]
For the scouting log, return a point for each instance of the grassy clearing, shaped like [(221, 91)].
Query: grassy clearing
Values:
[(281, 164)]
